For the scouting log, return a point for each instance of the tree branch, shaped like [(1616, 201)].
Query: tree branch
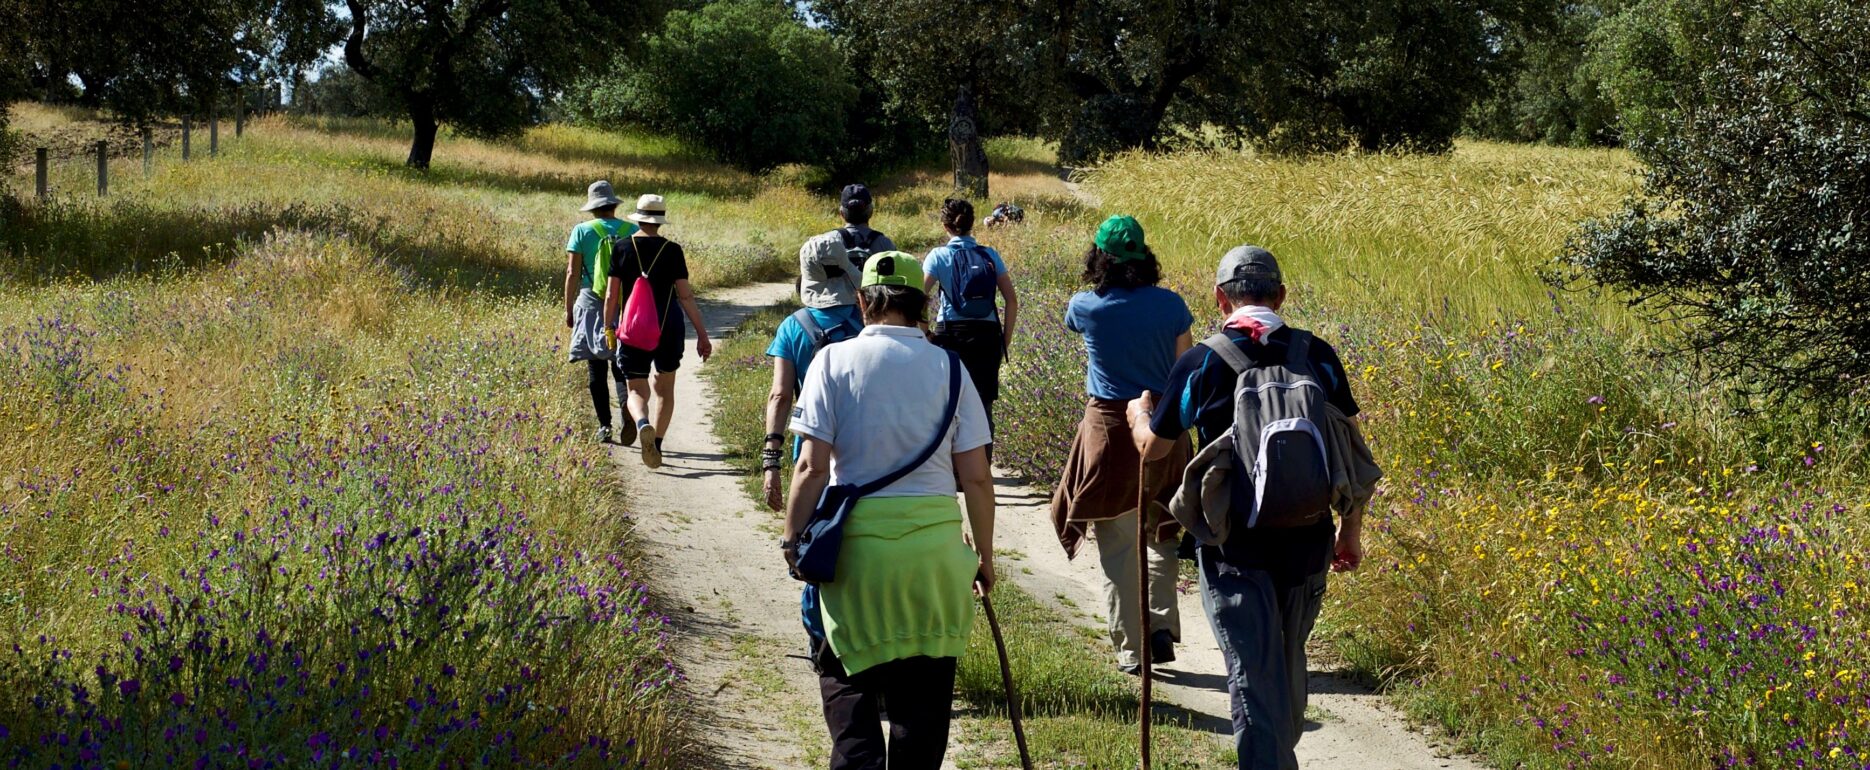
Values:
[(354, 43)]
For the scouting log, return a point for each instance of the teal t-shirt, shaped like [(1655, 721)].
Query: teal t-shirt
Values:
[(840, 322), (584, 240)]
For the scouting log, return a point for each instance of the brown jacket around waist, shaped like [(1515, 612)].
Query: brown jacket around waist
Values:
[(1100, 482)]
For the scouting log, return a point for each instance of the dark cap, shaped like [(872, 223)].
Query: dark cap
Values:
[(1247, 262), (854, 195)]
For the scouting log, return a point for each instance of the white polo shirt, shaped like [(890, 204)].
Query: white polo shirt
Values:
[(876, 398)]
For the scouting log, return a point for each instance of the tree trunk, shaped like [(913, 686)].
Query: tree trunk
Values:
[(422, 114), (966, 149)]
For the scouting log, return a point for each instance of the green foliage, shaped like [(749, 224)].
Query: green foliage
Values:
[(1550, 94), (743, 78), (150, 57), (340, 92), (478, 65), (1746, 233)]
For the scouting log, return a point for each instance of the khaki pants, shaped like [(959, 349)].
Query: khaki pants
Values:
[(1116, 552)]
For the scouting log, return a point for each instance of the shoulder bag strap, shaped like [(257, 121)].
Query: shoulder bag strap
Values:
[(941, 432), (1230, 354)]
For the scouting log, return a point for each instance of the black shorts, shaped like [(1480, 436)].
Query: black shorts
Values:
[(634, 363), (981, 347)]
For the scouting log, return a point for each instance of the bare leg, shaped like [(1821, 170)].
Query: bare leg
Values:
[(639, 400), (665, 401)]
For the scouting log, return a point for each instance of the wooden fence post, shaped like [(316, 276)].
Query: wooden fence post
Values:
[(214, 133), (149, 149), (39, 165), (240, 113), (187, 128), (103, 168)]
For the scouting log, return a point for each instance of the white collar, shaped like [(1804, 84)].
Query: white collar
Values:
[(882, 330)]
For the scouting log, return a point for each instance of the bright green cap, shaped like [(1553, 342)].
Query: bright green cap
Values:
[(1122, 237), (893, 268)]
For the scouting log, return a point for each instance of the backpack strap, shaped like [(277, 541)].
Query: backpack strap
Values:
[(1230, 353), (941, 433), (813, 331), (1299, 352)]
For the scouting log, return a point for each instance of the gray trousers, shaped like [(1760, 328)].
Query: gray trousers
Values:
[(1116, 552), (1261, 626)]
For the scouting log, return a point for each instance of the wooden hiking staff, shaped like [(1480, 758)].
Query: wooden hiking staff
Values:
[(1006, 682), (1142, 598)]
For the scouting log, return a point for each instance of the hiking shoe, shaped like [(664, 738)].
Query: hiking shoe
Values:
[(603, 434), (1133, 669), (1162, 647), (626, 435), (652, 451)]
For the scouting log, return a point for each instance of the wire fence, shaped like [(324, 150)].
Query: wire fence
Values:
[(85, 162)]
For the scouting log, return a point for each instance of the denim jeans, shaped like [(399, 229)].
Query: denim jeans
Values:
[(1261, 624)]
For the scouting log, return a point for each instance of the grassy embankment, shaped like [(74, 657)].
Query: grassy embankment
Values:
[(293, 470), (1582, 556)]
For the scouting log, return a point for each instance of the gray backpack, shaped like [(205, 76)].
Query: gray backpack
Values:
[(1282, 470)]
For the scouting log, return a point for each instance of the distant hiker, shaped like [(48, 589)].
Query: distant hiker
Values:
[(1133, 331), (1004, 214), (969, 322), (898, 613), (588, 255), (661, 263), (830, 267), (1263, 395), (831, 264)]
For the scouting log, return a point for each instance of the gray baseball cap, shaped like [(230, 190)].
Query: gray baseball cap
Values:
[(1247, 261)]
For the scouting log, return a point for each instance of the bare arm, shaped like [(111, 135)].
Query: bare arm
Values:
[(929, 288), (809, 478), (778, 409), (613, 305), (1152, 446), (574, 267), (976, 481), (686, 295), (1012, 308), (1183, 343)]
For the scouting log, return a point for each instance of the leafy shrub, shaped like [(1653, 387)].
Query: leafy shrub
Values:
[(1747, 232), (746, 79)]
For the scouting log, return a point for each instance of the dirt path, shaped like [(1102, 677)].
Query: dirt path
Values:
[(713, 558), (1351, 726)]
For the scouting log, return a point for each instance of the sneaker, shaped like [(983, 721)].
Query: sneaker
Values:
[(603, 434), (652, 449), (627, 434), (1133, 669), (1162, 647)]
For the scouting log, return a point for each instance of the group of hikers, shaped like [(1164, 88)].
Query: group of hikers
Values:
[(892, 421)]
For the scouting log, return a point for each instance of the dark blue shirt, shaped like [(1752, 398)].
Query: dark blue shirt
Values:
[(1200, 397), (1129, 337)]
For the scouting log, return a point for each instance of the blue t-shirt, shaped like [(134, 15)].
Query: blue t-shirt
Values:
[(584, 240), (790, 342), (940, 265), (1129, 337)]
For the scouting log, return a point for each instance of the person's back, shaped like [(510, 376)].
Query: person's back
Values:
[(832, 263), (1129, 337)]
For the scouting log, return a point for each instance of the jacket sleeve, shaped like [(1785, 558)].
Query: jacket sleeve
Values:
[(1354, 471)]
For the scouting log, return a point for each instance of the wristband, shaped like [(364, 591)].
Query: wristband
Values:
[(772, 437)]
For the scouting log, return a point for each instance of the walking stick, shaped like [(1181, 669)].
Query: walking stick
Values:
[(1006, 681), (1142, 598)]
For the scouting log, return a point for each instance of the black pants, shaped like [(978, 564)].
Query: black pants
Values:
[(982, 347), (918, 692), (600, 390)]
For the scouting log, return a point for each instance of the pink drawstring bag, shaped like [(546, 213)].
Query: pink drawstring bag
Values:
[(641, 327)]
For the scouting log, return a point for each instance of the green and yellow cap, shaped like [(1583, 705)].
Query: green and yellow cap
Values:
[(1122, 237), (893, 268)]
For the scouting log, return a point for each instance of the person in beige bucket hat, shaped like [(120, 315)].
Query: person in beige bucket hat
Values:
[(661, 261)]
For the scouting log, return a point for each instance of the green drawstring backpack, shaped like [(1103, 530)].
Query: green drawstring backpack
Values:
[(606, 241)]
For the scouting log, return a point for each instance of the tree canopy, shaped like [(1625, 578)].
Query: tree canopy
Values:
[(744, 78), (481, 66), (1749, 230)]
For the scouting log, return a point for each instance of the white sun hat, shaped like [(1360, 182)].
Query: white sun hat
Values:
[(650, 209)]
